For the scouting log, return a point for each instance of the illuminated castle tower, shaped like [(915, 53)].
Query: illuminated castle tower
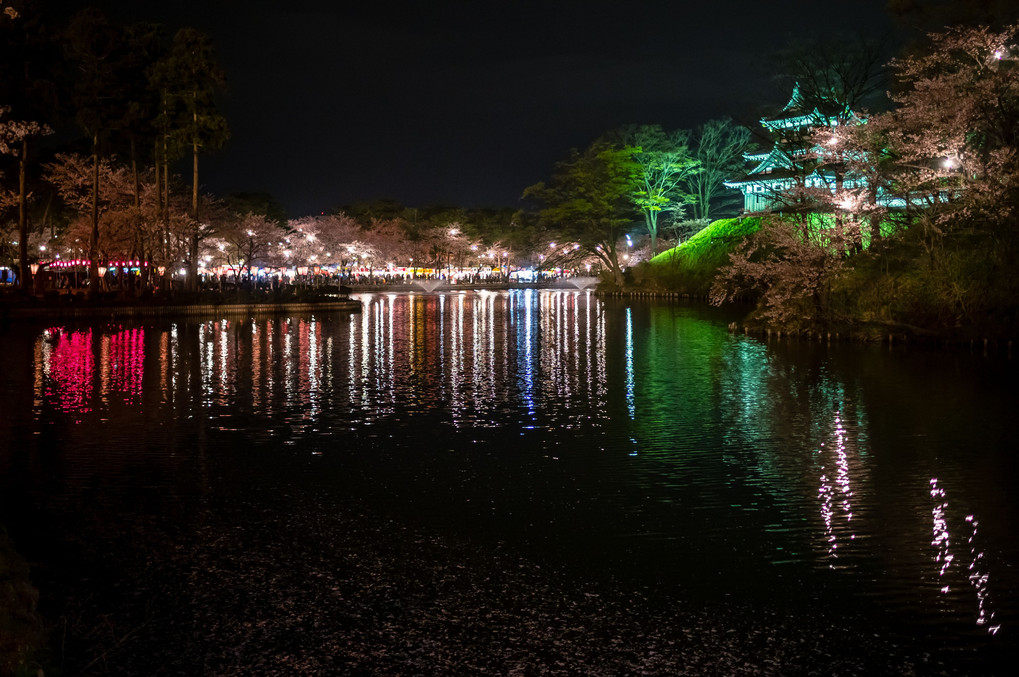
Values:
[(794, 160)]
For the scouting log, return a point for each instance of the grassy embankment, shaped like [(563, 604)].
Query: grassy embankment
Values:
[(922, 283), (690, 268)]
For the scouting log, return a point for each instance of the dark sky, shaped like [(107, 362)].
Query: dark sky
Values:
[(467, 103)]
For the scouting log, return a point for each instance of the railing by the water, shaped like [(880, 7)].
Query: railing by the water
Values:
[(440, 285)]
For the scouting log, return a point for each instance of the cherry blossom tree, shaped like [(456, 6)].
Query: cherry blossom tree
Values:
[(122, 229), (248, 240), (790, 271), (332, 239), (956, 127)]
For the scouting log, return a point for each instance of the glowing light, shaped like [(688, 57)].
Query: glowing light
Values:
[(940, 539), (976, 574), (631, 402)]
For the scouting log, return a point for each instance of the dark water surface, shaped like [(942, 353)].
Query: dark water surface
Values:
[(509, 483)]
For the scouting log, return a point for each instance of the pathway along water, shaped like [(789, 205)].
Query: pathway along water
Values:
[(514, 482)]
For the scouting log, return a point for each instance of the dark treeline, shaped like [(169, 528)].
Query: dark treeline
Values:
[(96, 118)]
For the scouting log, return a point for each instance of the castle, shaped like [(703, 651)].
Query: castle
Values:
[(795, 160)]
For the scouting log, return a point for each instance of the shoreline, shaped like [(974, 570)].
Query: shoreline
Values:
[(62, 312)]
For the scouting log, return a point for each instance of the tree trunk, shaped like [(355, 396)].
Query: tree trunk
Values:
[(193, 248), (875, 215), (23, 269), (159, 192), (652, 229), (134, 173), (93, 241)]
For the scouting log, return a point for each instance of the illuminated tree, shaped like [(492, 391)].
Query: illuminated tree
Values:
[(956, 127), (29, 64), (589, 200), (329, 239), (251, 239), (94, 47), (864, 153), (663, 166), (790, 270), (388, 239), (123, 229)]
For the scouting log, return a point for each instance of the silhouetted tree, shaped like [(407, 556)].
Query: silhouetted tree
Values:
[(718, 147), (588, 200), (188, 79)]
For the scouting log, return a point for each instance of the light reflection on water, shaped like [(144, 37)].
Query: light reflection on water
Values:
[(643, 438)]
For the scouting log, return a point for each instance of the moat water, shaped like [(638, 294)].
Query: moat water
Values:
[(523, 482)]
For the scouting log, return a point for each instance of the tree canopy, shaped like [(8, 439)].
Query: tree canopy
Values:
[(589, 200)]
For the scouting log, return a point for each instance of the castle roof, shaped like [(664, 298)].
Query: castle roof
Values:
[(796, 114)]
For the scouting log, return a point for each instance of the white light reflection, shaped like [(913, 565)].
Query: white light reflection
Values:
[(975, 573), (631, 405), (836, 493), (456, 360), (631, 402), (528, 366), (224, 382), (978, 579), (352, 356), (941, 540), (288, 364), (390, 348), (362, 377), (313, 367)]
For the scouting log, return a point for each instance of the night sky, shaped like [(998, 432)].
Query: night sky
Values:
[(468, 103)]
